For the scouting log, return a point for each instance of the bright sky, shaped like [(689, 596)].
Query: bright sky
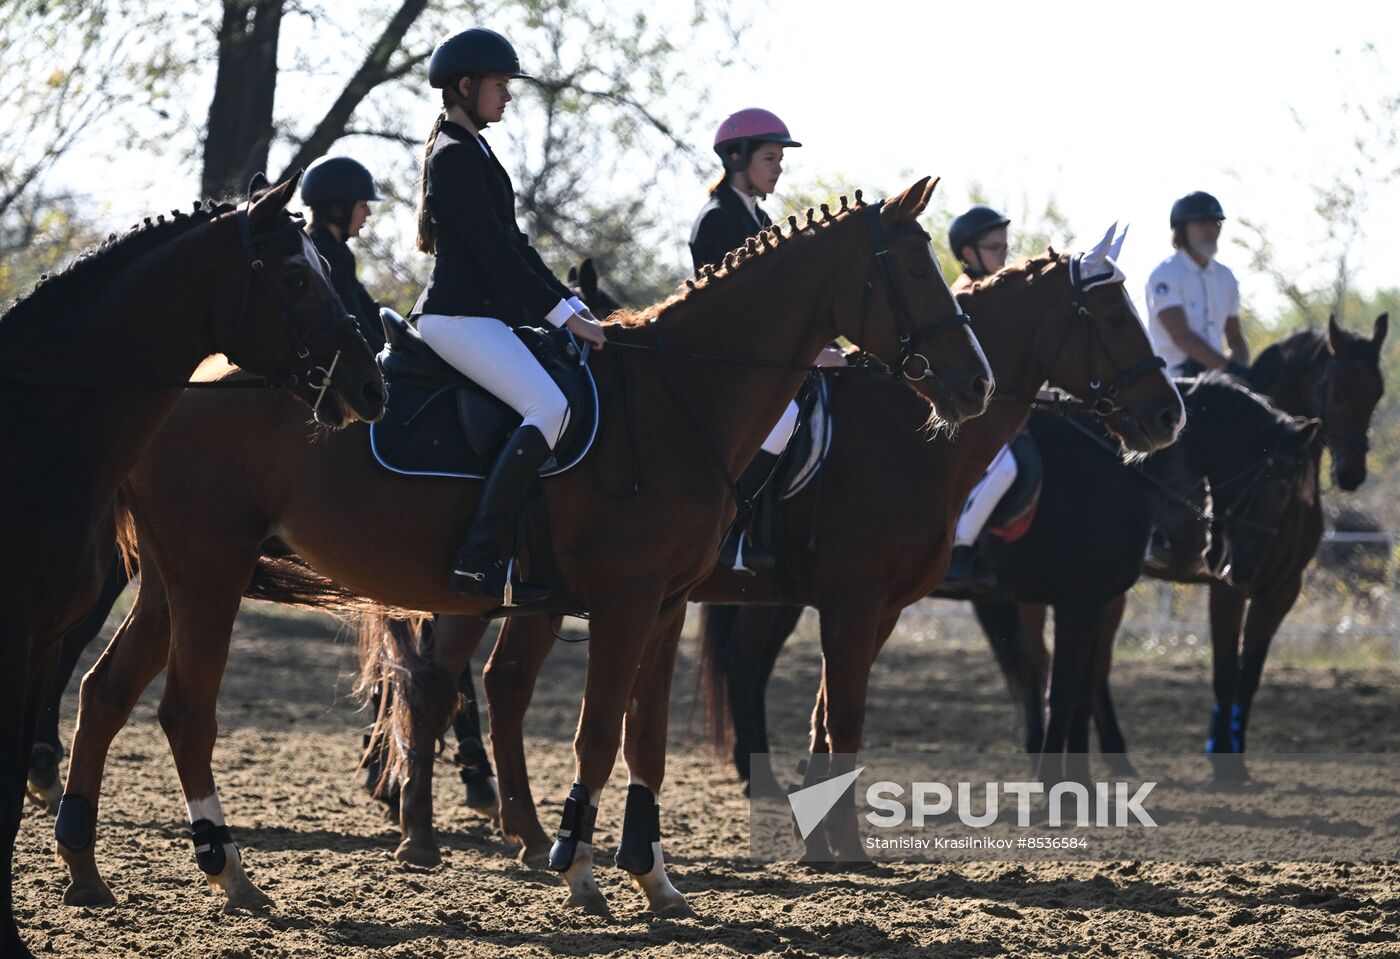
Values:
[(1114, 110)]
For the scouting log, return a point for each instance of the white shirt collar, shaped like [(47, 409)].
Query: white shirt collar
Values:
[(1190, 262), (750, 202)]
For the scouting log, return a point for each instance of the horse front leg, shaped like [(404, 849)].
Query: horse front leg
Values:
[(1266, 614), (851, 633), (1111, 742), (134, 657), (16, 657), (619, 630), (1227, 610), (644, 750), (1064, 754), (44, 759), (509, 683)]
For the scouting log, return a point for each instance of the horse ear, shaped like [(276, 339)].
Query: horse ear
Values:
[(1334, 335), (572, 278), (912, 201), (1379, 330), (1303, 433), (588, 277), (273, 201), (1117, 246), (1100, 252)]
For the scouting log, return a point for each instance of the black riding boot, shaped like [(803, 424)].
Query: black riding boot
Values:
[(966, 571), (478, 569), (739, 551)]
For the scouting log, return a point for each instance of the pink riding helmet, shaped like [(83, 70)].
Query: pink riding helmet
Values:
[(740, 131)]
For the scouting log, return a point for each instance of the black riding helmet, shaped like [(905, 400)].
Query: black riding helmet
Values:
[(967, 227), (1196, 206), (337, 180), (477, 52)]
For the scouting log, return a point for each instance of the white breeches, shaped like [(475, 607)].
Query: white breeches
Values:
[(777, 440), (491, 355), (984, 497)]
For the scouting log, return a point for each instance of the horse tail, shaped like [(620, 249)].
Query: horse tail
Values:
[(399, 683), (712, 678), (128, 546), (291, 582)]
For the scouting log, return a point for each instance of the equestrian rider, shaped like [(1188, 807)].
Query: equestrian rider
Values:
[(487, 279), (1193, 300), (338, 191), (750, 144), (978, 238)]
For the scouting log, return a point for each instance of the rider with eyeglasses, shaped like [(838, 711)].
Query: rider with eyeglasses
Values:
[(978, 238)]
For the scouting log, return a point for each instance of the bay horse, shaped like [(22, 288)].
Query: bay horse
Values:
[(1335, 377), (881, 512), (91, 362), (628, 547)]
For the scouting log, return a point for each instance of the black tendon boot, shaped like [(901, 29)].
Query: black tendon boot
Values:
[(739, 551), (478, 569)]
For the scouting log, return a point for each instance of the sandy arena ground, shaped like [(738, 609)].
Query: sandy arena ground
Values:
[(289, 740)]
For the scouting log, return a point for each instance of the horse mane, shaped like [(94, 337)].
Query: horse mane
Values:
[(767, 243), (1023, 273), (92, 270), (1288, 359), (1230, 400)]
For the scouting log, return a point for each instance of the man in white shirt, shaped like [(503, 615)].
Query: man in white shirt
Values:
[(1193, 302)]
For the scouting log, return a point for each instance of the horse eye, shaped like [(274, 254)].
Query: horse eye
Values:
[(297, 281)]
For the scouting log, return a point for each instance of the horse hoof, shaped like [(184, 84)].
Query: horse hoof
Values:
[(591, 903), (675, 909), (421, 855), (251, 899), (45, 796), (88, 896), (536, 857)]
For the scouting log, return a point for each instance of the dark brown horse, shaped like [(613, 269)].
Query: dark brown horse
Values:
[(1334, 377), (90, 364), (868, 273), (883, 509)]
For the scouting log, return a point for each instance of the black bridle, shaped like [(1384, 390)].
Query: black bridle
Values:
[(1103, 401), (909, 337), (1338, 440), (288, 376)]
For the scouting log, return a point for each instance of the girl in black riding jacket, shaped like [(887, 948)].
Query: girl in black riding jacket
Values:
[(750, 143), (486, 279), (338, 191)]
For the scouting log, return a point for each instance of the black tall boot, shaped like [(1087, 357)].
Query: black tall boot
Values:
[(479, 569), (739, 551)]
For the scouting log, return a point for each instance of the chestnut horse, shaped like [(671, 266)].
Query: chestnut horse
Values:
[(90, 364), (757, 323), (1334, 377), (882, 511)]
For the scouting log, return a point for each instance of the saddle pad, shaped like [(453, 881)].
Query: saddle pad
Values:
[(439, 423), (811, 443), (1015, 513)]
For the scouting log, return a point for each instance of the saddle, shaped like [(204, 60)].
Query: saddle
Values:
[(1016, 511), (439, 423)]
